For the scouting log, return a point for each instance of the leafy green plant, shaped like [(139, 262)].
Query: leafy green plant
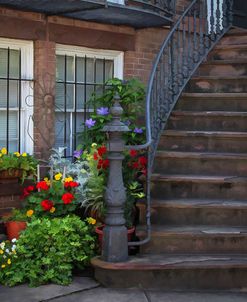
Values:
[(24, 162), (7, 255), (49, 249), (17, 215)]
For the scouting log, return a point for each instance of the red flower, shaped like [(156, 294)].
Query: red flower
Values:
[(135, 165), (142, 161), (42, 185), (105, 164), (46, 204), (144, 172), (133, 153), (95, 156), (100, 164), (71, 184), (67, 198), (102, 150), (30, 188)]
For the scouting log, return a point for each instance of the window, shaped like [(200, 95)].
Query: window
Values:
[(79, 73), (16, 74)]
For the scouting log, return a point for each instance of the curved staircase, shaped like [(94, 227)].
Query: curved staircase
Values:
[(199, 185)]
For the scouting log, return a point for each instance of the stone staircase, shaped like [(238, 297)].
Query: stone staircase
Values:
[(199, 185)]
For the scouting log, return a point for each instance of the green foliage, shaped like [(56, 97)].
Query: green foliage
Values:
[(132, 94), (7, 255), (16, 215), (48, 250), (16, 161)]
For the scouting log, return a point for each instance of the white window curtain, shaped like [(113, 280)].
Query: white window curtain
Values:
[(212, 10)]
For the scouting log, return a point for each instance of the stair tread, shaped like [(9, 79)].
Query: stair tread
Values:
[(195, 230), (224, 62), (219, 77), (199, 178), (176, 261), (199, 203), (209, 113), (204, 133), (215, 95), (199, 155)]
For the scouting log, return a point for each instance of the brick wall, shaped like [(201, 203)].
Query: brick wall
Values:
[(138, 63)]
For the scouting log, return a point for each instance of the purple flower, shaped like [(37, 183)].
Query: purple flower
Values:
[(78, 153), (90, 123), (103, 111), (138, 130)]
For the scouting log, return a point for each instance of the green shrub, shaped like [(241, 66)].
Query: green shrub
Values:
[(48, 250)]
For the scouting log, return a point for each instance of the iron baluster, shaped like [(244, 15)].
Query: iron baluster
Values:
[(218, 18), (19, 104), (212, 21), (65, 105), (7, 100)]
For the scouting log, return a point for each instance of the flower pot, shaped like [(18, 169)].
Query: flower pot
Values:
[(10, 176), (14, 228), (99, 232)]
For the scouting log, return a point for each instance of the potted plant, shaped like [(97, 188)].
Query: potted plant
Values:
[(52, 197), (16, 165), (16, 222)]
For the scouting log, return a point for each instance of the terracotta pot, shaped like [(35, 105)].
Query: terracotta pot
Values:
[(99, 232), (14, 228)]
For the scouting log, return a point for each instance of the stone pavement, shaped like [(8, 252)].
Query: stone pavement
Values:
[(85, 289)]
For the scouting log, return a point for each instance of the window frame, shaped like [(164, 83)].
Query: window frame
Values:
[(118, 62), (27, 72)]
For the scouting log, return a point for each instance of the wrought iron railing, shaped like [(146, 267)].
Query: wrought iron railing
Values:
[(190, 40)]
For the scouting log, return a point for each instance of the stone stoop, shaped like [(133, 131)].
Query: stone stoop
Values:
[(199, 186)]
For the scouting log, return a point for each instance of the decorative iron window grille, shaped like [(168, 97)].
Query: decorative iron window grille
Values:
[(16, 72), (77, 77)]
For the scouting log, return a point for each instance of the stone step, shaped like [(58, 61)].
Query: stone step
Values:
[(217, 84), (208, 121), (213, 102), (198, 186), (223, 164), (195, 239), (196, 212), (234, 38), (177, 272), (204, 141), (223, 67), (228, 52)]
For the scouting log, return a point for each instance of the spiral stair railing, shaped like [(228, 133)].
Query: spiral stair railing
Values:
[(190, 40)]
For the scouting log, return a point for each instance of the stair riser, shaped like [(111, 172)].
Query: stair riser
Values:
[(191, 243), (228, 54), (180, 279), (234, 40), (195, 216), (208, 123), (211, 69), (212, 104), (219, 85), (201, 166), (174, 189), (203, 144)]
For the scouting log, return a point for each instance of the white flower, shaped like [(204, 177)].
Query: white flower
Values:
[(13, 247), (4, 256), (14, 240), (7, 251), (2, 245)]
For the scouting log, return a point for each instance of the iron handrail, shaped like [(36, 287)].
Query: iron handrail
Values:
[(196, 32)]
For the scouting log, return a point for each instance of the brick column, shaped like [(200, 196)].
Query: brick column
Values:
[(44, 97)]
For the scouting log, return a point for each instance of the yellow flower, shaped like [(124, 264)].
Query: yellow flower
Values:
[(29, 213), (17, 154), (91, 220), (24, 154), (1, 155), (4, 151), (68, 179), (3, 266), (94, 145), (52, 210), (14, 252), (46, 179), (1, 251), (58, 176), (9, 261)]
